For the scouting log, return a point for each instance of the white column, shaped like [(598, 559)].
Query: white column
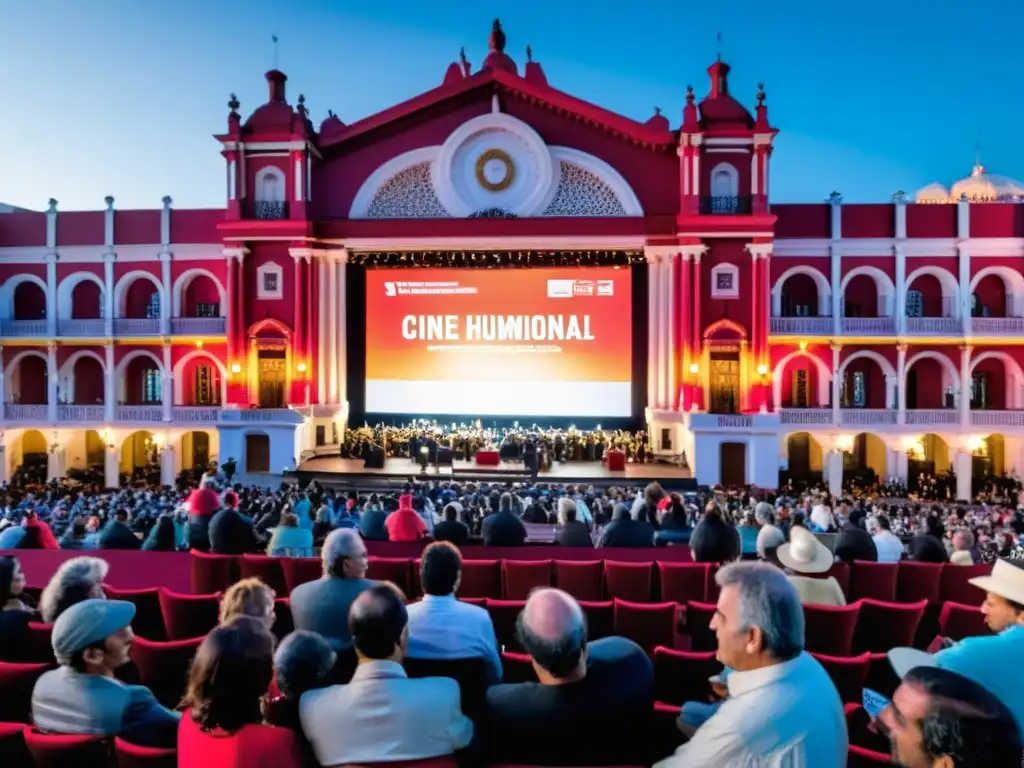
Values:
[(834, 469), (901, 384), (964, 264), (55, 464), (837, 383), (51, 383), (323, 336), (339, 368), (109, 385), (167, 473), (652, 331), (167, 385), (108, 293), (963, 466), (51, 294), (965, 387), (111, 467), (835, 256), (166, 303), (901, 288), (902, 469), (670, 325)]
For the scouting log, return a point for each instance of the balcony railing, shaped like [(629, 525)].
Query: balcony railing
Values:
[(867, 417), (137, 326), (198, 326), (718, 205), (22, 328), (997, 418), (270, 210), (80, 413), (81, 327), (802, 325), (933, 417), (996, 326), (25, 411), (870, 326), (198, 414), (286, 415), (945, 326), (805, 416), (139, 413)]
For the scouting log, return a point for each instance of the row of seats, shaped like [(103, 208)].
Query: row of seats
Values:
[(641, 582)]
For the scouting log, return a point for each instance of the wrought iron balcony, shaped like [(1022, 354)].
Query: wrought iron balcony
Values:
[(270, 209), (723, 205)]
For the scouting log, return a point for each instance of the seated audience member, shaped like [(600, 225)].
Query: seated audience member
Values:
[(887, 544), (822, 517), (77, 579), (714, 540), (927, 546), (940, 719), (248, 597), (303, 662), (231, 532), (15, 613), (674, 521), (805, 557), (450, 529), (572, 532), (984, 659), (372, 519), (162, 537), (76, 536), (222, 726), (404, 524), (503, 528), (592, 705), (287, 539), (117, 535), (382, 715), (91, 639), (782, 707), (770, 537), (202, 503), (624, 531), (322, 606), (963, 548), (748, 530), (442, 627), (854, 542)]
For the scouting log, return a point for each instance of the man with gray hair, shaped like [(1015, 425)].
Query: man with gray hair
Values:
[(782, 707), (770, 537), (963, 548), (592, 705), (322, 606), (77, 579)]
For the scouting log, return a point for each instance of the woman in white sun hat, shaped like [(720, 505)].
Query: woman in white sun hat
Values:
[(803, 556)]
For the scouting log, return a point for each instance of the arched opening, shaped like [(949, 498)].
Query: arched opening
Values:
[(140, 300), (257, 452), (926, 458), (988, 462), (860, 298), (81, 380), (27, 379), (198, 448), (28, 459), (932, 382), (29, 301), (799, 297), (988, 298), (140, 381), (270, 355), (806, 458), (201, 297), (866, 461), (140, 458), (723, 341), (863, 383), (801, 380), (925, 298), (198, 380), (725, 184), (270, 193), (86, 301), (997, 382), (85, 457)]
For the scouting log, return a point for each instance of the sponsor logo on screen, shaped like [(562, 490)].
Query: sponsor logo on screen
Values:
[(424, 288), (567, 289)]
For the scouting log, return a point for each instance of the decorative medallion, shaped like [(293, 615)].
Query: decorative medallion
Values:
[(495, 170)]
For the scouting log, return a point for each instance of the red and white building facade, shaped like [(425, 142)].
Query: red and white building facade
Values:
[(799, 336)]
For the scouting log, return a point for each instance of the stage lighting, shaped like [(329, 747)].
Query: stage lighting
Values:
[(236, 368), (762, 370), (694, 369), (301, 367), (424, 458)]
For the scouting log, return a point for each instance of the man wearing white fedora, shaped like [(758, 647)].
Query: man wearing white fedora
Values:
[(804, 554), (993, 661)]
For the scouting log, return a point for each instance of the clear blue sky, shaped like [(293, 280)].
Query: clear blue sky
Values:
[(121, 97)]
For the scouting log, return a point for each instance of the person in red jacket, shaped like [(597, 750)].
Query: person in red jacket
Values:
[(404, 524)]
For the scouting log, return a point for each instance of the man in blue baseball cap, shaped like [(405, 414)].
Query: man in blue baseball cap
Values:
[(90, 640)]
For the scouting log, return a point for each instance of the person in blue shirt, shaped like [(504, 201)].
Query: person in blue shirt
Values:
[(993, 661)]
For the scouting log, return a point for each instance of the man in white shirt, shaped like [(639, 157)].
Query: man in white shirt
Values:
[(782, 707), (888, 544), (821, 516), (441, 627)]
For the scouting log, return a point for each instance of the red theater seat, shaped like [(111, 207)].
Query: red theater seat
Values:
[(267, 569), (504, 614), (163, 667), (616, 460), (16, 684), (681, 676), (829, 629), (50, 750), (600, 617), (523, 576), (39, 648), (481, 578), (698, 626), (955, 587), (397, 570), (848, 673), (876, 581), (149, 619), (188, 616), (840, 571), (299, 570), (918, 581), (883, 626), (480, 602), (646, 624), (132, 756), (628, 581), (212, 573), (958, 621), (582, 579), (13, 753), (682, 582), (517, 668)]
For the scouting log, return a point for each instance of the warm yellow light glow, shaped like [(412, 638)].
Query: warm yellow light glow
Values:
[(803, 346), (107, 436), (158, 440), (236, 368), (301, 367), (199, 344), (694, 368), (844, 443), (975, 443), (762, 370)]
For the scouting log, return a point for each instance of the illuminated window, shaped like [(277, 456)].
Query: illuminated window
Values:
[(151, 386), (153, 306)]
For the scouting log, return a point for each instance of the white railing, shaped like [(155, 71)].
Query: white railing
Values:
[(196, 414), (198, 326), (933, 417), (22, 328), (996, 326), (946, 326), (81, 327), (802, 325), (25, 411), (808, 416), (997, 418), (870, 326), (139, 413), (136, 326), (867, 417), (261, 415), (80, 413)]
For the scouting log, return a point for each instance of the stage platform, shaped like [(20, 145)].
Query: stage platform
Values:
[(335, 471)]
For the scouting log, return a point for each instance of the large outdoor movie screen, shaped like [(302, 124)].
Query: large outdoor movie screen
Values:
[(499, 342)]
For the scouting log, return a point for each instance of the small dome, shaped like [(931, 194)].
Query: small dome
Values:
[(982, 186), (497, 58), (331, 124), (933, 193)]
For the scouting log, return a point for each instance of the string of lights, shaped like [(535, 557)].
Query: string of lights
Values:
[(496, 259)]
